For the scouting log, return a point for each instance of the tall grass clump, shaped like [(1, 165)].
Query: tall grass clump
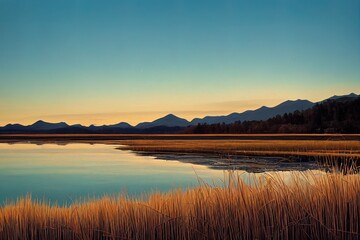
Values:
[(324, 206), (343, 165)]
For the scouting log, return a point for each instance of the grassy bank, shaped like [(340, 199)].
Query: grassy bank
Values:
[(298, 145), (303, 148), (311, 207)]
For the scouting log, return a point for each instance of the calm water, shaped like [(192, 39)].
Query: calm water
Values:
[(65, 173)]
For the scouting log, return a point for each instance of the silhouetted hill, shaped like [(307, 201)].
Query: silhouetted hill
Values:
[(262, 113), (120, 125), (335, 115), (41, 125), (173, 124), (78, 129), (169, 120), (13, 127), (344, 97), (37, 126)]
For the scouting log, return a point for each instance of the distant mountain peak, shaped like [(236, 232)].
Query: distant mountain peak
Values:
[(262, 113), (13, 125), (39, 122), (169, 120), (77, 125), (42, 125), (170, 115), (120, 125), (43, 122), (335, 97), (297, 102)]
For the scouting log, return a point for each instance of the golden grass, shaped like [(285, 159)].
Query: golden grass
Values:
[(311, 207), (314, 148), (337, 145)]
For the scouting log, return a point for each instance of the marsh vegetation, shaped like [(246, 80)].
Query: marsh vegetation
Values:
[(325, 206), (306, 205)]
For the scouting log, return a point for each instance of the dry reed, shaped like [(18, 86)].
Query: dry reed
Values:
[(310, 207), (345, 148)]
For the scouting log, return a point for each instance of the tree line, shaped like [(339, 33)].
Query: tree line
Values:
[(331, 116)]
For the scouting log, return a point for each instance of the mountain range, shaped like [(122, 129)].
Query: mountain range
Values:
[(169, 123)]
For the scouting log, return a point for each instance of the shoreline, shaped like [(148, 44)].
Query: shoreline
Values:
[(99, 137), (309, 151), (279, 145), (250, 164)]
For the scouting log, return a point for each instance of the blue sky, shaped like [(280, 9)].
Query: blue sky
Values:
[(109, 61)]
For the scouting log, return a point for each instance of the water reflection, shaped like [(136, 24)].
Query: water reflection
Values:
[(254, 164), (64, 173)]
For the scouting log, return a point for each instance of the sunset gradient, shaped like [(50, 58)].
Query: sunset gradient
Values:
[(103, 62)]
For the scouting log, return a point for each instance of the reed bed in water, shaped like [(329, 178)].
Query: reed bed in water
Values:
[(298, 148), (325, 206)]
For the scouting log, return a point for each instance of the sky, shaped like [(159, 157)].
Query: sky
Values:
[(101, 62)]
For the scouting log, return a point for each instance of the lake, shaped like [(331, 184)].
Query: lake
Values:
[(76, 171)]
